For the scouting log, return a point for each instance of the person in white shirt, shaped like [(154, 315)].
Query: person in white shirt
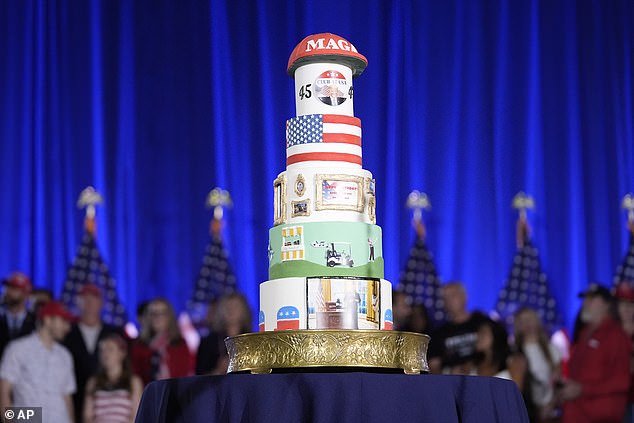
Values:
[(544, 360), (36, 371)]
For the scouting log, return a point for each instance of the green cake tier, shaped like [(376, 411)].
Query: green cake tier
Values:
[(325, 249)]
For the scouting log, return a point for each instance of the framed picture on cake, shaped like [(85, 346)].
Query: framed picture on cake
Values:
[(343, 303), (339, 192), (301, 208)]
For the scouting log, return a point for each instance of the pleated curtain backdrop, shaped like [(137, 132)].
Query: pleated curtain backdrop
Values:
[(156, 102)]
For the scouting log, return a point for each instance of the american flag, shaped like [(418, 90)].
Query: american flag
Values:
[(625, 270), (323, 138), (287, 318), (215, 279), (420, 281), (89, 267), (527, 286)]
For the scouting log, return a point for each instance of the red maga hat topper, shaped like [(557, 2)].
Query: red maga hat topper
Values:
[(326, 47)]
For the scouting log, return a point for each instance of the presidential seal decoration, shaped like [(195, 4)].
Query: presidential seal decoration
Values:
[(300, 185)]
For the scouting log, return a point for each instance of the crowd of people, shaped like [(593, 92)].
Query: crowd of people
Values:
[(592, 382), (81, 369)]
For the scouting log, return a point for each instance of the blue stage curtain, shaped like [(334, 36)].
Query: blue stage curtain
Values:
[(156, 102)]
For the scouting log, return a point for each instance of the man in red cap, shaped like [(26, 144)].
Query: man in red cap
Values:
[(599, 366), (15, 319), (36, 371), (624, 294), (83, 338)]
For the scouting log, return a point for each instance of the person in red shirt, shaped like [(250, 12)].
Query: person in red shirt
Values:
[(599, 366), (624, 294), (161, 352)]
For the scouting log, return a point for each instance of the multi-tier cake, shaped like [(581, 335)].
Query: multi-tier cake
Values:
[(325, 249), (326, 302)]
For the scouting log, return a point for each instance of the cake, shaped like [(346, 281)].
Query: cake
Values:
[(325, 249)]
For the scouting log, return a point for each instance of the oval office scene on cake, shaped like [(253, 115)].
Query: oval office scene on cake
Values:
[(363, 211)]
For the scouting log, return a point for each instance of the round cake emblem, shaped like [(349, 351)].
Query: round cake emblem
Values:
[(332, 88)]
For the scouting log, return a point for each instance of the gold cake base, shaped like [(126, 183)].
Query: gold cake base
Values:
[(291, 349)]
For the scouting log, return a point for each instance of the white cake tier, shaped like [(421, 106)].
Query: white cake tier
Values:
[(324, 88), (325, 303), (306, 193)]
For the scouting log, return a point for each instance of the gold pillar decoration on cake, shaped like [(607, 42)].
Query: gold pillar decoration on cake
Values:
[(279, 200), (327, 302), (217, 199), (88, 199), (522, 203)]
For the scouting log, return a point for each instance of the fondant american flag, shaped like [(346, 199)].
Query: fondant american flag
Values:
[(323, 138)]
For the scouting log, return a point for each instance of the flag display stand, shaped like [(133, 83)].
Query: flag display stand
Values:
[(89, 267), (264, 352)]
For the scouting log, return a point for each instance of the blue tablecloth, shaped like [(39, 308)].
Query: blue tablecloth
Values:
[(332, 397)]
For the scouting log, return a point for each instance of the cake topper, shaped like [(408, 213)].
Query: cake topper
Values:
[(326, 47)]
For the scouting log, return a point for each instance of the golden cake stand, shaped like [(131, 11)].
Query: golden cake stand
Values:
[(293, 349)]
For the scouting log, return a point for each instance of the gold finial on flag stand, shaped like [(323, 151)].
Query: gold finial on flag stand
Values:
[(628, 204), (522, 203), (217, 199), (418, 201), (88, 199)]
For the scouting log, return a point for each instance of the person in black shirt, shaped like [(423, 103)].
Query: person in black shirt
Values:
[(82, 341), (15, 320), (452, 348), (232, 317)]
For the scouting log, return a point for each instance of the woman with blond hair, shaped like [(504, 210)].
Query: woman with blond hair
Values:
[(161, 352), (544, 361)]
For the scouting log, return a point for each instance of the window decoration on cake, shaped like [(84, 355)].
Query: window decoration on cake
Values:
[(293, 243), (343, 303)]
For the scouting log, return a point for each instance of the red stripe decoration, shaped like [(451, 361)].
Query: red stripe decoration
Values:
[(324, 157), (342, 138), (347, 120)]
